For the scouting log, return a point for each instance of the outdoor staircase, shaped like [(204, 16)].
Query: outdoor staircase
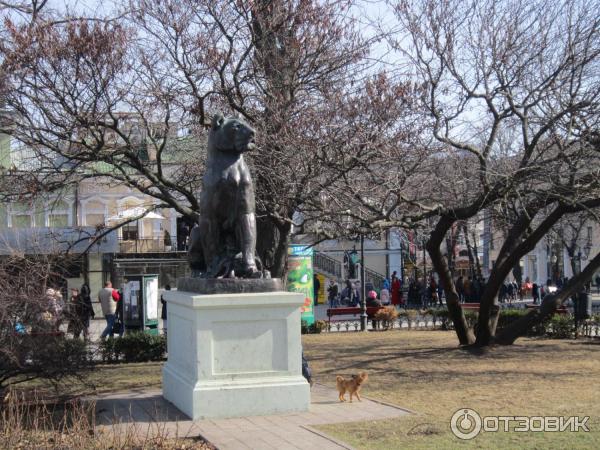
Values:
[(332, 268)]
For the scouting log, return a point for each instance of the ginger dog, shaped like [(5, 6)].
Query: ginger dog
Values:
[(352, 385)]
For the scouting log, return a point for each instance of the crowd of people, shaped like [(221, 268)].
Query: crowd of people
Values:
[(420, 294), (52, 312)]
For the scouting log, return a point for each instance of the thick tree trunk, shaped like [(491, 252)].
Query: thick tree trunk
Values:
[(464, 333), (272, 245), (489, 310), (549, 305), (469, 250), (488, 306), (477, 262), (534, 317)]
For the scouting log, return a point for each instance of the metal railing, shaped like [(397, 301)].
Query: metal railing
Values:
[(375, 278), (145, 245), (327, 264), (333, 267)]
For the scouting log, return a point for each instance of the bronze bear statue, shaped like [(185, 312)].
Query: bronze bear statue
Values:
[(223, 244)]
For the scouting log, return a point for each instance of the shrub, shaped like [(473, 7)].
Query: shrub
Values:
[(31, 312), (303, 327), (314, 328), (471, 317), (108, 350), (561, 326), (319, 326), (134, 347), (36, 421), (386, 316), (444, 316), (508, 316), (44, 356)]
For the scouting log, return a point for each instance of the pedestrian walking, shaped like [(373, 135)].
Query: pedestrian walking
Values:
[(433, 288), (79, 312), (386, 283), (510, 292), (120, 312), (316, 288), (535, 293), (332, 293), (384, 295), (109, 309), (460, 289), (350, 295), (396, 291), (163, 312), (55, 307)]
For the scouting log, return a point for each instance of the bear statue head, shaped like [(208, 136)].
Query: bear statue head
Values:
[(231, 135)]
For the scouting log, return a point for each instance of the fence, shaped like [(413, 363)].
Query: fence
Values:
[(327, 264), (439, 320), (145, 245)]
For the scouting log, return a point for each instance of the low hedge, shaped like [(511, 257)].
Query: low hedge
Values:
[(314, 328), (559, 326), (134, 347)]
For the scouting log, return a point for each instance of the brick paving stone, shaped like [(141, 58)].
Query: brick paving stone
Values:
[(282, 432)]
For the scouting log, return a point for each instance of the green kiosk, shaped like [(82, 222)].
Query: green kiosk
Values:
[(140, 303)]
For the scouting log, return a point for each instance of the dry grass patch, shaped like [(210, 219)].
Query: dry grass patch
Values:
[(425, 371)]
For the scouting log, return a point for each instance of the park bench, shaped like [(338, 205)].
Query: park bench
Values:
[(470, 306), (352, 310)]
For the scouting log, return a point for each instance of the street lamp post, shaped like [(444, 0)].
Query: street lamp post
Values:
[(363, 300)]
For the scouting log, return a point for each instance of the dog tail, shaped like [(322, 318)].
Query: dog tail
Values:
[(339, 379)]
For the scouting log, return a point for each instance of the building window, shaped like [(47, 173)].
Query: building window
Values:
[(589, 235), (58, 220), (21, 221), (22, 215), (94, 220), (130, 232), (94, 213), (58, 215)]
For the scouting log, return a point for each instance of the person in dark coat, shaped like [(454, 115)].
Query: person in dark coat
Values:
[(460, 289), (316, 288), (350, 294), (332, 294), (79, 314), (372, 302), (535, 293), (396, 290), (163, 312)]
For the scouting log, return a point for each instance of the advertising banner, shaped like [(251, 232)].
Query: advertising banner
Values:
[(300, 278)]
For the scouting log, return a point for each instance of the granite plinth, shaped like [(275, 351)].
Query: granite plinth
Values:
[(233, 355), (210, 286)]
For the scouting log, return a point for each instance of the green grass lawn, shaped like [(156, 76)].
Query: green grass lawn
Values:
[(424, 371)]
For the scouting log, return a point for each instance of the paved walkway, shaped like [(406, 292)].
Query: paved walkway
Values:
[(286, 431)]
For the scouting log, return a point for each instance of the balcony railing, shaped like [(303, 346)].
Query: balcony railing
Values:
[(146, 245)]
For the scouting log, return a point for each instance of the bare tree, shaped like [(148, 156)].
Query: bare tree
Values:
[(118, 91), (511, 95), (573, 233), (31, 345)]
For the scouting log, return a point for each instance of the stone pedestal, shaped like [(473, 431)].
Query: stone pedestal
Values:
[(234, 355)]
